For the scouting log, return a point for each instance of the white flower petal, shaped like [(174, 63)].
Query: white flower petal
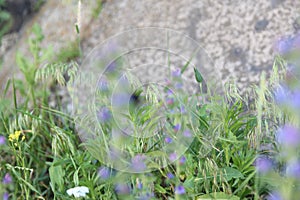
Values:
[(79, 191)]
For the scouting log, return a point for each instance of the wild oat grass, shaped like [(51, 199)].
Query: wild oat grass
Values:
[(42, 156)]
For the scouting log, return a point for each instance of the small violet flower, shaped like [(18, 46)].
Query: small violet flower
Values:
[(283, 45), (139, 184), (293, 169), (168, 140), (173, 157), (187, 133), (182, 160), (104, 115), (179, 190), (2, 140), (122, 188), (288, 136), (103, 85), (138, 163), (170, 101), (263, 164), (177, 127), (5, 196), (170, 175), (7, 179), (176, 73), (104, 173), (79, 191), (274, 196)]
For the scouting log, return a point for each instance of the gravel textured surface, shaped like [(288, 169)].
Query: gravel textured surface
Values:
[(238, 35)]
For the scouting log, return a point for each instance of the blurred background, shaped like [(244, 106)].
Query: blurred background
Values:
[(240, 36)]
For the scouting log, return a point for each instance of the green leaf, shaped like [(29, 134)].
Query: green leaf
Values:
[(56, 174), (217, 195), (198, 75), (160, 189), (229, 173)]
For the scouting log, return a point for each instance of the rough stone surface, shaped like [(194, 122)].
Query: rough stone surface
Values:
[(238, 35)]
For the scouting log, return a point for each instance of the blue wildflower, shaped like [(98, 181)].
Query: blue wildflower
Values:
[(288, 136), (104, 115), (104, 173), (170, 101), (168, 140), (293, 169), (170, 175), (177, 127), (263, 164), (284, 45), (178, 85), (179, 190), (182, 160), (7, 179), (176, 73), (5, 196), (187, 133), (122, 188), (139, 184), (121, 99), (103, 85), (274, 196), (173, 157), (2, 140), (138, 163)]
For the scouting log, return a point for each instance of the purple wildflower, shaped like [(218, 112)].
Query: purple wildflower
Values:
[(104, 115), (170, 175), (103, 85), (182, 110), (168, 82), (122, 188), (263, 164), (139, 185), (173, 157), (182, 160), (295, 99), (283, 45), (168, 140), (282, 94), (112, 67), (288, 136), (5, 196), (296, 41), (274, 196), (176, 72), (2, 140), (293, 169), (179, 190), (169, 92), (170, 101), (178, 85), (177, 127), (146, 196), (104, 173), (187, 133), (121, 99), (7, 179), (138, 163)]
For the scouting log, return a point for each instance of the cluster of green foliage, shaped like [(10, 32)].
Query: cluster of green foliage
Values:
[(5, 20), (49, 159)]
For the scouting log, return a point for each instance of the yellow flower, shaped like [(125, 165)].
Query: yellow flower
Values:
[(14, 136)]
